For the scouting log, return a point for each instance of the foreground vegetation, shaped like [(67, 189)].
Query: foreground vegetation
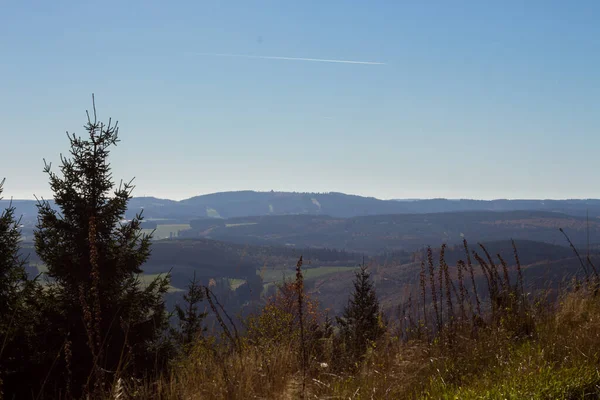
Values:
[(96, 331), (528, 348)]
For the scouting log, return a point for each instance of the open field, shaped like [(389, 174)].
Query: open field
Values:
[(240, 224), (236, 283), (165, 231)]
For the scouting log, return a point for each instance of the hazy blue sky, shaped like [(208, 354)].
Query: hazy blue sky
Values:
[(475, 99)]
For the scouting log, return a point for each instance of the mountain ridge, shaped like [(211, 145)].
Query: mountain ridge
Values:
[(245, 203), (233, 192)]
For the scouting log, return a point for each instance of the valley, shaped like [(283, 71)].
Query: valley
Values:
[(249, 256)]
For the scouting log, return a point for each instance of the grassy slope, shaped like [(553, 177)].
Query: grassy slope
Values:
[(561, 362)]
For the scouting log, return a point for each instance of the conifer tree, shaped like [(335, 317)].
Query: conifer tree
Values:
[(12, 270), (360, 323), (190, 317), (24, 309), (12, 279), (94, 257)]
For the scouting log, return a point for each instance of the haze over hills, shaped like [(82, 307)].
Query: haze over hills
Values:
[(250, 203), (339, 205), (253, 239), (220, 232)]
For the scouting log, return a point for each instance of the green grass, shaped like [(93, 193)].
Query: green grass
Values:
[(528, 374), (563, 383), (164, 231), (236, 283)]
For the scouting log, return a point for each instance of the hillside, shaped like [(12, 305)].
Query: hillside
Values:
[(329, 272), (211, 259), (385, 233), (544, 266), (250, 203)]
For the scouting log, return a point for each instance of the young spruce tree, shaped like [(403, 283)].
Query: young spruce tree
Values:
[(190, 317), (109, 319), (12, 270), (12, 280), (360, 323)]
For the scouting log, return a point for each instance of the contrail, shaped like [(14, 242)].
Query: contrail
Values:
[(292, 58)]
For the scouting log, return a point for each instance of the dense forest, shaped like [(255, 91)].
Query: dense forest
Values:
[(385, 233)]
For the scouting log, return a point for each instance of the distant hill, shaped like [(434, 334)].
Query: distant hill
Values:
[(249, 203), (339, 205)]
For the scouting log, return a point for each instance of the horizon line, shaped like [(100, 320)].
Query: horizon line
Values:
[(12, 198)]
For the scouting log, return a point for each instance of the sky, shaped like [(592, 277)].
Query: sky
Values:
[(454, 99)]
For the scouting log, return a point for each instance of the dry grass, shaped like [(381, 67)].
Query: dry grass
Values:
[(206, 374), (210, 371), (560, 362)]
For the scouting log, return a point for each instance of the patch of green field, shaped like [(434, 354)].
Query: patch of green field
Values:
[(165, 231), (146, 279), (236, 283), (274, 275), (211, 212), (240, 224)]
